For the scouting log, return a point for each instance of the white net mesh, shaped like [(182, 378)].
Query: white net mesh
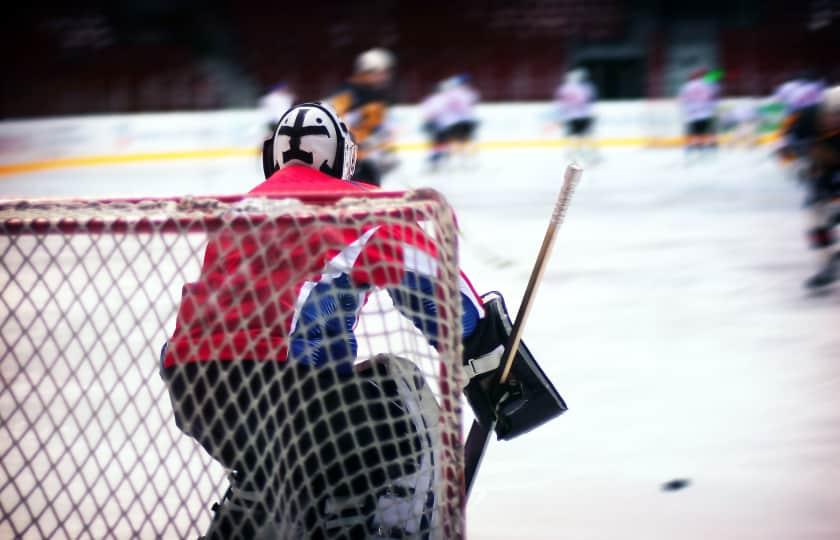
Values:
[(313, 350)]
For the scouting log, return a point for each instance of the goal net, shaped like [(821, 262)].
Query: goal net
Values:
[(162, 355)]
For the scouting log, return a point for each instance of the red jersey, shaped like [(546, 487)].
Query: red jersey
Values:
[(255, 287)]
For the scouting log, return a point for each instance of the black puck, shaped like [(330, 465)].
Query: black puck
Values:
[(676, 484)]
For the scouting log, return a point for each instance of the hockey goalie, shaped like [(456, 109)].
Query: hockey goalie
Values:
[(263, 368)]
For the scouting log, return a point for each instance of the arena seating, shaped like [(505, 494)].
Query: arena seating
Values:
[(512, 51)]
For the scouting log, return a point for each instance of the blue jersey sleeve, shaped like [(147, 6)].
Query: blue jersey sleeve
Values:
[(416, 300)]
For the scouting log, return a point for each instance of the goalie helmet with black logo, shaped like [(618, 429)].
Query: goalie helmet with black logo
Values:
[(311, 134)]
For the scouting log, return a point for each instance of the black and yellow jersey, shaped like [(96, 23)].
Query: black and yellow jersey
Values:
[(363, 108)]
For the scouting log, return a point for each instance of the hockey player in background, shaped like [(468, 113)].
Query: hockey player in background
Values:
[(797, 95), (814, 138), (274, 104), (248, 332), (574, 101), (449, 117), (804, 90), (460, 115), (698, 99), (363, 101), (430, 112)]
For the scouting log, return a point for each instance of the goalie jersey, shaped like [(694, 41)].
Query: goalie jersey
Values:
[(285, 294), (263, 294)]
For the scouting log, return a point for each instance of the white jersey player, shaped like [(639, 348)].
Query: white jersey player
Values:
[(274, 104), (574, 100), (450, 118), (698, 99), (458, 103), (799, 93), (575, 97), (430, 109)]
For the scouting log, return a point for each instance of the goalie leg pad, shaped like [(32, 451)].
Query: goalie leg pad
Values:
[(374, 434), (404, 501), (527, 399)]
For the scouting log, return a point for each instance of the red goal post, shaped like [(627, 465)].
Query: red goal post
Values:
[(89, 292)]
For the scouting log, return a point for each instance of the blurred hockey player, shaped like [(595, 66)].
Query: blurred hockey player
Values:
[(804, 90), (459, 117), (274, 104), (800, 94), (363, 101), (698, 102), (430, 111), (450, 119), (814, 137), (574, 100), (255, 325)]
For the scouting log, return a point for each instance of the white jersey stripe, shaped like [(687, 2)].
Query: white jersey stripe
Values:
[(342, 263)]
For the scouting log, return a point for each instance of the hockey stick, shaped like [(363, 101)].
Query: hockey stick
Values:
[(479, 436)]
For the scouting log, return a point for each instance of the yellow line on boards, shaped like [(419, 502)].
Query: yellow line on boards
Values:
[(540, 143), (86, 161), (89, 161)]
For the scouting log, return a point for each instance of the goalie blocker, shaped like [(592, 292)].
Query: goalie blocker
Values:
[(523, 402)]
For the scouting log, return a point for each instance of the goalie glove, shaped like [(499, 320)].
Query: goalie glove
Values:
[(523, 402)]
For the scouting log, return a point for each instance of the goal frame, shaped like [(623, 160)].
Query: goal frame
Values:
[(205, 215)]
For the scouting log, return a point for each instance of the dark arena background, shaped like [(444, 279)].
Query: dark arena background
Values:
[(114, 57)]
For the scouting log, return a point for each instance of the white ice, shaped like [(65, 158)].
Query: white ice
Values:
[(671, 318)]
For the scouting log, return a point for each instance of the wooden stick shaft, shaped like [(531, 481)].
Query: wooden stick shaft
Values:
[(479, 436), (570, 181)]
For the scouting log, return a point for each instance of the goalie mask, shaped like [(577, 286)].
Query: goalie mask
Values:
[(311, 134)]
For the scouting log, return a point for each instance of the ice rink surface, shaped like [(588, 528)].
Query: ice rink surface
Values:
[(671, 318)]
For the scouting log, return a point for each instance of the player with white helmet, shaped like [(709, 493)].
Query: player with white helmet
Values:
[(378, 61), (430, 109), (460, 115), (802, 91), (574, 100), (363, 101), (698, 99), (450, 119), (306, 328), (799, 96)]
